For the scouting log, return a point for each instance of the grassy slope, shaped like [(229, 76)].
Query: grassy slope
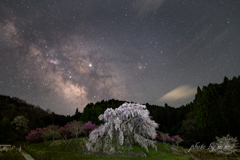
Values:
[(76, 150), (11, 155)]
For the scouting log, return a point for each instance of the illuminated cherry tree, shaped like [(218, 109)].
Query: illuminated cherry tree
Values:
[(130, 123)]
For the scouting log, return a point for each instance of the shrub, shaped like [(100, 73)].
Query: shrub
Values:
[(177, 139)]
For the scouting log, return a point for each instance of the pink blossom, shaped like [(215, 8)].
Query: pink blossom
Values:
[(35, 135), (90, 125), (65, 131), (177, 139)]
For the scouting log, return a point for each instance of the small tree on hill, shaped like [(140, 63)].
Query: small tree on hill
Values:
[(20, 124), (64, 132), (77, 127), (51, 132), (177, 139), (35, 135), (90, 127), (128, 124), (164, 137)]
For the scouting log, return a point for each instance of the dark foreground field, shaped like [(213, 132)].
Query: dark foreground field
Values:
[(11, 155)]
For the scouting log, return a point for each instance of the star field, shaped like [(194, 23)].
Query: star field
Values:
[(63, 55)]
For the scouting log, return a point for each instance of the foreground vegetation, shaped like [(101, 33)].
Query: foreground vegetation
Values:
[(204, 154), (75, 149), (11, 155)]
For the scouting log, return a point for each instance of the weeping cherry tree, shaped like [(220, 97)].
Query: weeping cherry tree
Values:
[(128, 124)]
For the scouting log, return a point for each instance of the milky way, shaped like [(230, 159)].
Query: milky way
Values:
[(62, 55)]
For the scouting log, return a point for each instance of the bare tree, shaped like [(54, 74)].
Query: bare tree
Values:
[(51, 132), (77, 127), (123, 126)]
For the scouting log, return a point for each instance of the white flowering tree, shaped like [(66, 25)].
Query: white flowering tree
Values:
[(20, 124), (51, 132), (226, 145), (77, 127), (130, 123)]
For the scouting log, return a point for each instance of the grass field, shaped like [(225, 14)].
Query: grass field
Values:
[(75, 149), (11, 155)]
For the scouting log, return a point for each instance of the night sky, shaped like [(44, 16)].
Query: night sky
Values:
[(65, 54)]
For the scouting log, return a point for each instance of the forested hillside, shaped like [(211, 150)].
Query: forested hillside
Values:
[(36, 117), (217, 110)]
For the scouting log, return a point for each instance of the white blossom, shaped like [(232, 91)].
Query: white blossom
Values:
[(123, 126), (226, 145)]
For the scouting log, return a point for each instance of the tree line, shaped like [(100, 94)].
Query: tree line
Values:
[(214, 112)]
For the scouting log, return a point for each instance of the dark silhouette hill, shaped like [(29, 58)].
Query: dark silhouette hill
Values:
[(11, 108)]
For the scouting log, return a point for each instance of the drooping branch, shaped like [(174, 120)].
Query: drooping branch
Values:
[(123, 126)]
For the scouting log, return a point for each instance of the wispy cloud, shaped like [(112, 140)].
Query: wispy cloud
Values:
[(145, 7), (179, 93)]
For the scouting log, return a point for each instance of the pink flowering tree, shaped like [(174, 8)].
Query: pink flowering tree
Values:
[(65, 132), (169, 139), (35, 135), (166, 138), (177, 139), (163, 137), (90, 127)]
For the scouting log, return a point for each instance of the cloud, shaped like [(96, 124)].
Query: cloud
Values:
[(179, 93), (145, 7)]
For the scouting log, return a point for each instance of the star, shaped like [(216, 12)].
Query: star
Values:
[(77, 56)]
